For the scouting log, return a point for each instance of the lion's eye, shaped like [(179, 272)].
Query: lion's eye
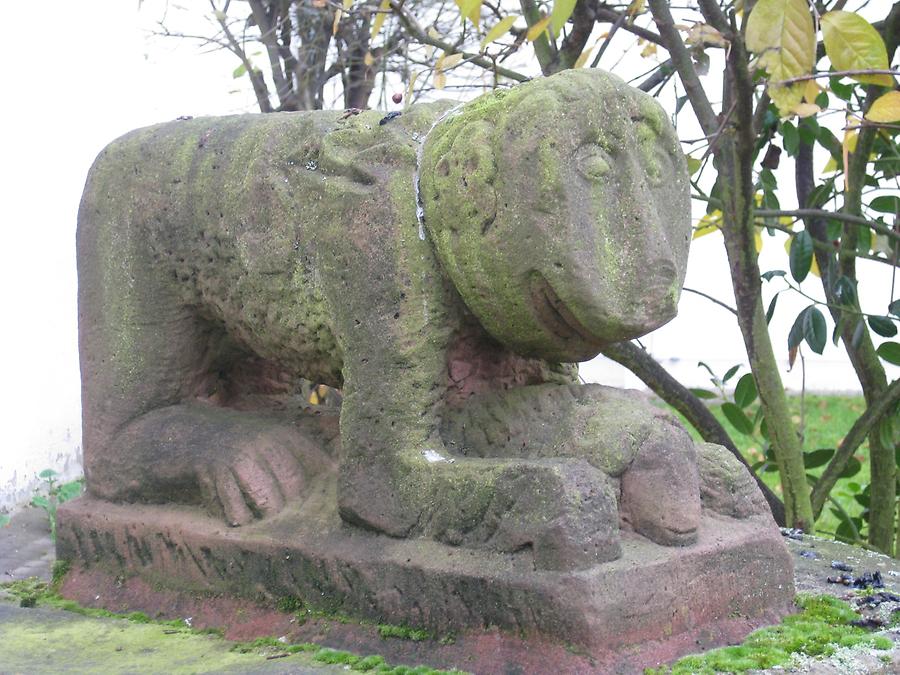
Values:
[(593, 162)]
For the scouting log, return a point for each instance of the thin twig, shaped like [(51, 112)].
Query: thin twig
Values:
[(838, 73), (710, 298), (833, 215)]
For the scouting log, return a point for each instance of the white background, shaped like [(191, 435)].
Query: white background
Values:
[(78, 74)]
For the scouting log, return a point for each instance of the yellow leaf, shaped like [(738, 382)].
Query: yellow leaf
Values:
[(562, 10), (693, 164), (537, 29), (703, 34), (447, 61), (429, 49), (708, 224), (500, 29), (649, 50), (383, 8), (470, 9), (757, 240), (347, 4), (848, 145), (439, 80), (368, 59), (781, 33), (811, 90), (851, 43), (583, 57), (337, 21), (314, 397), (636, 7), (409, 88), (806, 109), (886, 109), (830, 166)]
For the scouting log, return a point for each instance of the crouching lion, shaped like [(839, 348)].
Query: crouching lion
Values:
[(442, 268)]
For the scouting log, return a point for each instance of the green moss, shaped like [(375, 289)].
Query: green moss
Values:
[(822, 627), (289, 604), (387, 630), (60, 569)]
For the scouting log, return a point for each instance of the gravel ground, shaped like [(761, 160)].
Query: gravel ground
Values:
[(813, 559)]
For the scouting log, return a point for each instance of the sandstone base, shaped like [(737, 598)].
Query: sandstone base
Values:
[(651, 605)]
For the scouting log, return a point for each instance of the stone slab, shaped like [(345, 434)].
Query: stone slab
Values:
[(651, 605)]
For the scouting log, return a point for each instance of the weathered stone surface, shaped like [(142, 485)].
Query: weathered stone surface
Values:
[(651, 604), (443, 269)]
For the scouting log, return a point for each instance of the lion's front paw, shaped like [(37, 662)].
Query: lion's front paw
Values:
[(726, 485), (565, 511), (252, 480), (661, 488)]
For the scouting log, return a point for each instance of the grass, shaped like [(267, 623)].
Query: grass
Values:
[(825, 420)]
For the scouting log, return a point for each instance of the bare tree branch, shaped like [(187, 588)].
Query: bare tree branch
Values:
[(854, 438)]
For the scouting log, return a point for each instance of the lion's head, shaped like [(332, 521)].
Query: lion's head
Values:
[(560, 209)]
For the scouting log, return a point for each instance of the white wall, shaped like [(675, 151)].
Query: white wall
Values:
[(91, 74)]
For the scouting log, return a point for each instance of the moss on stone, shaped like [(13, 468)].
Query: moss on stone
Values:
[(822, 627), (388, 630), (143, 647)]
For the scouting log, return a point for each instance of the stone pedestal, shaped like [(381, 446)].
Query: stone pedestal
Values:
[(652, 604)]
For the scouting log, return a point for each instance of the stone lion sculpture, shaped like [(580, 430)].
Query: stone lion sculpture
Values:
[(443, 269)]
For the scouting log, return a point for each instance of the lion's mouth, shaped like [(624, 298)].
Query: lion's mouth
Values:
[(553, 313)]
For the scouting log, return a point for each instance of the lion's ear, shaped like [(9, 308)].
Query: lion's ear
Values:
[(463, 196)]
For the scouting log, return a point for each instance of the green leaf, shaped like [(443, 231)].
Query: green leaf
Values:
[(41, 502), (820, 195), (883, 326), (47, 473), (790, 137), (771, 274), (801, 255), (795, 335), (853, 467), (562, 10), (781, 33), (745, 391), (810, 326), (843, 90), (730, 373), (815, 330), (894, 308), (704, 393), (845, 291), (239, 71), (69, 491), (890, 352), (737, 418), (851, 43), (499, 29), (886, 204), (817, 458), (770, 312)]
